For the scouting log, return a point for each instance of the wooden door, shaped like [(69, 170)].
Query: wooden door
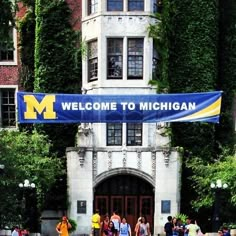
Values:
[(101, 203), (146, 209), (131, 210), (117, 204)]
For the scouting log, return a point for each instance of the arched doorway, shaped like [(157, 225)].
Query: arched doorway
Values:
[(130, 195)]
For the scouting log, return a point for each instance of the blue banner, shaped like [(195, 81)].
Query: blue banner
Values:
[(77, 108)]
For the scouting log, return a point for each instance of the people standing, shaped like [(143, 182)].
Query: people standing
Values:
[(63, 227), (180, 227), (226, 231), (186, 226), (125, 229), (96, 223), (110, 231), (136, 229), (176, 227), (192, 228), (15, 231), (144, 227), (115, 218), (168, 228), (105, 224)]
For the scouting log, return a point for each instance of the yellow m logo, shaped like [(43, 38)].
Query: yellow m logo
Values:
[(46, 105)]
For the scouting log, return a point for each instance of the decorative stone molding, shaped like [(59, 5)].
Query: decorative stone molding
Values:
[(124, 151), (154, 165), (81, 153), (94, 164), (109, 160), (139, 159), (85, 129), (161, 128), (124, 161), (166, 152)]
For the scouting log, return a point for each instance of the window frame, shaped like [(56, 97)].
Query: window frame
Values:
[(115, 1), (135, 6), (138, 127), (136, 61), (120, 129), (115, 55), (13, 51), (92, 61), (10, 105), (92, 7)]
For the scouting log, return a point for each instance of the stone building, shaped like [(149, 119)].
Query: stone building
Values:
[(128, 167)]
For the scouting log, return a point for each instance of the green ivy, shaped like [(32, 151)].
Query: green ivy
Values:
[(26, 27), (57, 62), (196, 45), (55, 49)]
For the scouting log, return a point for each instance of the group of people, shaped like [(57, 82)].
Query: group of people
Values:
[(17, 231), (176, 227), (117, 226)]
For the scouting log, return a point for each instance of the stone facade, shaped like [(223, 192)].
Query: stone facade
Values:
[(92, 160)]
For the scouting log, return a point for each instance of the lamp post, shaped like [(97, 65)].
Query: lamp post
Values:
[(28, 217), (217, 188), (2, 167)]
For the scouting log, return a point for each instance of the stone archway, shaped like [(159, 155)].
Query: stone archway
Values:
[(128, 191)]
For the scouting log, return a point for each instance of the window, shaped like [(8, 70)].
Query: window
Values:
[(92, 61), (135, 58), (114, 58), (92, 6), (157, 7), (7, 108), (135, 5), (7, 48), (134, 134), (114, 134), (114, 5)]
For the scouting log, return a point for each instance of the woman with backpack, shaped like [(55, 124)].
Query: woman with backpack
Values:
[(125, 229)]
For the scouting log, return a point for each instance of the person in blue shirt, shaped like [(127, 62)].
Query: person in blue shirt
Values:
[(226, 231)]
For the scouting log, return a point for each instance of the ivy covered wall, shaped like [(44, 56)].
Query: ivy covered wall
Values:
[(51, 63), (197, 39)]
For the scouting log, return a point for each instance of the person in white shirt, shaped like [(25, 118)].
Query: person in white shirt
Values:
[(192, 228), (125, 229), (15, 232)]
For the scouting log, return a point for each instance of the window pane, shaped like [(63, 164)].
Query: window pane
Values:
[(134, 134), (8, 107), (92, 61), (114, 5), (114, 58), (157, 6), (92, 6), (136, 5), (135, 58), (114, 134)]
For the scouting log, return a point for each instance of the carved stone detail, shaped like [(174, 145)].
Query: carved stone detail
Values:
[(139, 159), (124, 161), (166, 152), (81, 153), (94, 164), (161, 128), (154, 165), (85, 129), (109, 160)]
